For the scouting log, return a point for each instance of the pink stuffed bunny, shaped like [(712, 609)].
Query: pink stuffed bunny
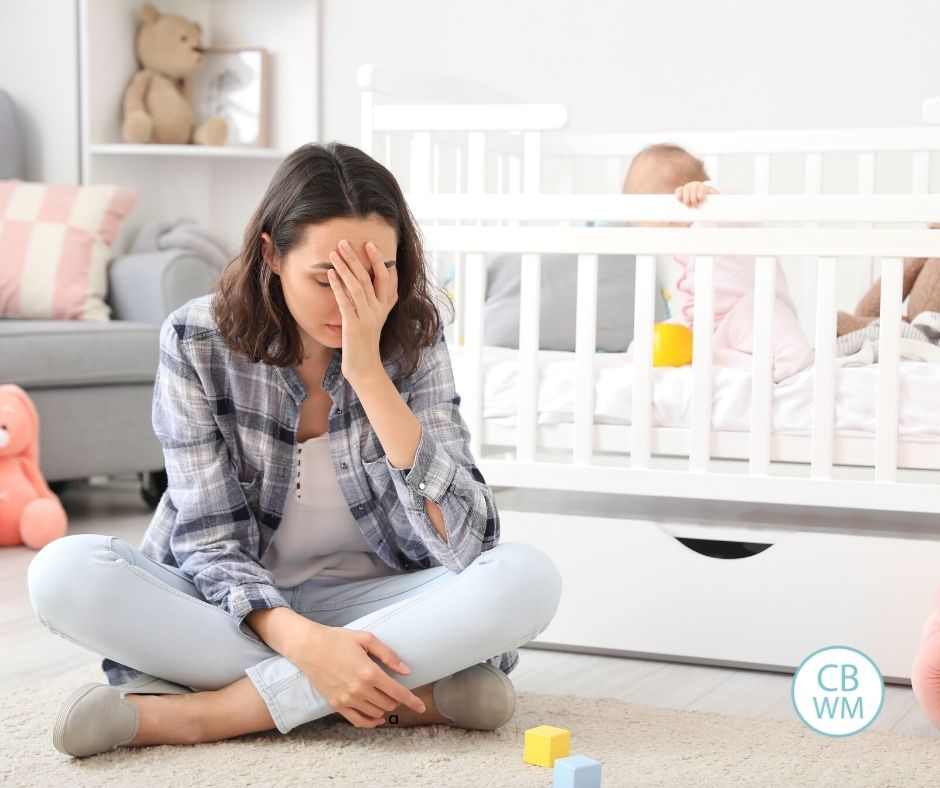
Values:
[(925, 673), (30, 513)]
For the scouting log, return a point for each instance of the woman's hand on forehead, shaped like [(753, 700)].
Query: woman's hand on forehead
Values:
[(381, 272), (374, 254)]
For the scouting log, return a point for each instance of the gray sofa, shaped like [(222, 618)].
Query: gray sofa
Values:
[(92, 382)]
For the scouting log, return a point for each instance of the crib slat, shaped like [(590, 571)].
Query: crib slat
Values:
[(515, 175), (711, 167), (435, 172), (886, 438), (476, 174), (500, 172), (421, 162), (644, 315), (367, 122), (531, 161), (459, 267), (813, 173), (472, 396), (765, 283), (812, 185), (824, 369), (566, 175), (866, 173), (762, 173), (584, 349), (866, 185), (460, 297), (702, 333), (614, 174), (527, 407), (920, 172), (476, 162)]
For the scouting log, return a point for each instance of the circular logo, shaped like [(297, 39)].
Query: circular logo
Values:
[(838, 691)]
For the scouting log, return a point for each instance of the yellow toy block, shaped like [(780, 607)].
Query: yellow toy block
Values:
[(544, 744)]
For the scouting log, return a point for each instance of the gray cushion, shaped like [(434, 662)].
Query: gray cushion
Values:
[(91, 430), (56, 353), (147, 286), (558, 301), (11, 149)]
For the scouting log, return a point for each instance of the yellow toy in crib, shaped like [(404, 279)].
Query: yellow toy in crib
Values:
[(672, 345)]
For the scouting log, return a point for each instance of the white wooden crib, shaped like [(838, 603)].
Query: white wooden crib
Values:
[(850, 515)]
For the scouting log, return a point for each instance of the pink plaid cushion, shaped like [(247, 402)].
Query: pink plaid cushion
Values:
[(55, 245)]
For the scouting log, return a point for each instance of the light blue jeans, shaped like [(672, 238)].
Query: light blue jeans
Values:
[(106, 596)]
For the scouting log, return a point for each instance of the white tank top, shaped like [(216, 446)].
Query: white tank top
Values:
[(318, 536)]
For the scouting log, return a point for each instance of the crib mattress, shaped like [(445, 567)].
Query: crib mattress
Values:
[(856, 395)]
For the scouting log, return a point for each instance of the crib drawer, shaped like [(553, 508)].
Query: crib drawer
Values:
[(631, 588)]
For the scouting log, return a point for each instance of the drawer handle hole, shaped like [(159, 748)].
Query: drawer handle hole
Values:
[(719, 548)]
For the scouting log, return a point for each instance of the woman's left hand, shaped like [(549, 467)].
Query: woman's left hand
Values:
[(364, 307)]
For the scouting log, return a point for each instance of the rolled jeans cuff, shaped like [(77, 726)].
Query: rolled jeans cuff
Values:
[(286, 691)]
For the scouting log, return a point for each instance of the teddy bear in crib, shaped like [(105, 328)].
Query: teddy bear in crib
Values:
[(156, 103), (30, 513), (921, 286)]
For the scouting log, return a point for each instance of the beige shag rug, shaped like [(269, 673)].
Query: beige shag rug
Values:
[(638, 745)]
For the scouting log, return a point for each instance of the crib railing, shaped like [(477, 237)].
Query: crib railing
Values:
[(444, 110), (541, 224), (796, 161), (565, 151), (439, 133), (475, 134)]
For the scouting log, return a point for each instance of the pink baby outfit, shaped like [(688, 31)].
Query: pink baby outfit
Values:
[(734, 313)]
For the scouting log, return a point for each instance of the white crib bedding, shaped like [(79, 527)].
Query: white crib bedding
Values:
[(856, 395)]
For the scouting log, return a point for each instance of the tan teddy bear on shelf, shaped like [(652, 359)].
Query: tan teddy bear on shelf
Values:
[(156, 103)]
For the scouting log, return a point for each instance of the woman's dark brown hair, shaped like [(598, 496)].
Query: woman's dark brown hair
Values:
[(314, 184)]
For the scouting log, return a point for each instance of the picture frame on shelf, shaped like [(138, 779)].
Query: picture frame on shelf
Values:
[(232, 84)]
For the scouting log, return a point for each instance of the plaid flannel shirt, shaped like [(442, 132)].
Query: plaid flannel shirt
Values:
[(228, 425)]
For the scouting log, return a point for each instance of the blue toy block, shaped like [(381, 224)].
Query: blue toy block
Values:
[(577, 771)]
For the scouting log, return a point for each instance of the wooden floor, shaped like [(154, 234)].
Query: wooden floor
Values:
[(113, 506)]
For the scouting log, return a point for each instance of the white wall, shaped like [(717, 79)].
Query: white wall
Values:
[(618, 66), (39, 69), (647, 66)]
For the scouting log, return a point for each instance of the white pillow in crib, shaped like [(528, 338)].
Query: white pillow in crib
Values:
[(558, 302)]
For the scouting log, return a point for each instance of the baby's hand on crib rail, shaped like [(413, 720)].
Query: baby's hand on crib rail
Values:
[(693, 193)]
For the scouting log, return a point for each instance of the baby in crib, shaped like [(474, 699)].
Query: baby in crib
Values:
[(669, 169)]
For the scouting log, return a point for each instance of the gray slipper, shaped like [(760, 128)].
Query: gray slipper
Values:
[(480, 698), (96, 718)]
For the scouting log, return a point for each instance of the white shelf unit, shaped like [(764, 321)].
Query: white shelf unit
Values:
[(218, 186)]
